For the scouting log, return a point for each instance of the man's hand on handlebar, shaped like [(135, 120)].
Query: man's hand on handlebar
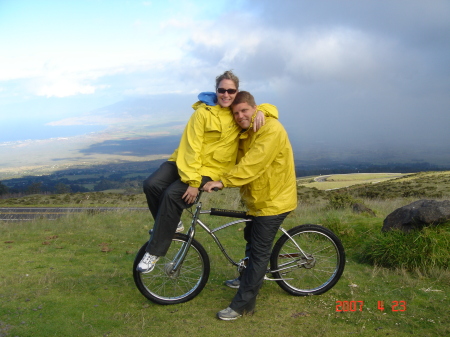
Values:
[(212, 185)]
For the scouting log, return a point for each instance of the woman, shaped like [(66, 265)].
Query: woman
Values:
[(208, 149)]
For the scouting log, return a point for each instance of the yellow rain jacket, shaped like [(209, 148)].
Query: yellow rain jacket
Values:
[(209, 144), (265, 171)]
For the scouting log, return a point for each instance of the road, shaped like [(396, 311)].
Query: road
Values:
[(321, 179), (52, 213)]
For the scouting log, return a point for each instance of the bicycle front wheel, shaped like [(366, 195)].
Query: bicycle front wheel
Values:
[(315, 273), (163, 288)]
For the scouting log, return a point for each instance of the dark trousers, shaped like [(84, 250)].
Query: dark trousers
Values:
[(259, 235), (164, 189)]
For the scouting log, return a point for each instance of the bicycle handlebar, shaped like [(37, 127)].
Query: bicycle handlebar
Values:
[(200, 191), (229, 213)]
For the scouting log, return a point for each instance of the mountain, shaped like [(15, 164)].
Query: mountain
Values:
[(148, 128)]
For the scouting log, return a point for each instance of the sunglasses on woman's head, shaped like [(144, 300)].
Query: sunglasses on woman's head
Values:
[(222, 91)]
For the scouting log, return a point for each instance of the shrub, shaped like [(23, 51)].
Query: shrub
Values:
[(340, 200), (422, 249), (332, 221)]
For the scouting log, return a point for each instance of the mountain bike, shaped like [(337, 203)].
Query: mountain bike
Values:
[(306, 260)]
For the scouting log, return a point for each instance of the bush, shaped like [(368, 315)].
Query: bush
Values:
[(340, 200), (422, 249)]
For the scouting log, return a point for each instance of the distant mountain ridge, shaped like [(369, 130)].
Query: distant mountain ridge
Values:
[(148, 128)]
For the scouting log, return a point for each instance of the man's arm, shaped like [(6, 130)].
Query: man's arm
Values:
[(210, 185)]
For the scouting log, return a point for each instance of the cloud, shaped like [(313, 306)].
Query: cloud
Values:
[(329, 54), (350, 74), (64, 88), (342, 71)]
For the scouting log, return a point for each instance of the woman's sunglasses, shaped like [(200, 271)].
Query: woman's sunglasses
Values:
[(230, 91)]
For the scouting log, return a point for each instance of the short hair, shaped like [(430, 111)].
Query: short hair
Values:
[(228, 75), (244, 97)]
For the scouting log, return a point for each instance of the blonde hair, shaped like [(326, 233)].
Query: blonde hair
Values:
[(228, 75), (244, 97)]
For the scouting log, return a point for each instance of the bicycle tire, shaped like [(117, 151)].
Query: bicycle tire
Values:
[(313, 277), (161, 288)]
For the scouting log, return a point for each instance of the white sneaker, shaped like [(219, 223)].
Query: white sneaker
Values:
[(180, 227), (147, 263)]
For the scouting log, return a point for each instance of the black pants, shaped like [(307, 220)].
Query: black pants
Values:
[(259, 235), (164, 189)]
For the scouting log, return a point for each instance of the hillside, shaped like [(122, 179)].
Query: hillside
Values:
[(124, 188), (430, 185)]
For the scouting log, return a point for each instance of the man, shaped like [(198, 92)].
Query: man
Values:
[(265, 174)]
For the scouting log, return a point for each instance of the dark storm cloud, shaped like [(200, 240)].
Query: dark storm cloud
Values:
[(344, 72)]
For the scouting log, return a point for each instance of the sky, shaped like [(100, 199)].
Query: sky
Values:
[(341, 72)]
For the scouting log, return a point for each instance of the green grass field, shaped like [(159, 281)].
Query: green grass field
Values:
[(335, 181), (73, 277)]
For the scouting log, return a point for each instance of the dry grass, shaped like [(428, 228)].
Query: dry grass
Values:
[(335, 181)]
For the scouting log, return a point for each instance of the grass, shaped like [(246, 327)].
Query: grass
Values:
[(73, 277), (335, 181), (90, 199), (430, 185), (415, 250)]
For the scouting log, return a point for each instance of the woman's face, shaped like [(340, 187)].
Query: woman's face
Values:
[(224, 99)]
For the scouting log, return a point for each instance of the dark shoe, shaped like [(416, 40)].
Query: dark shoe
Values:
[(233, 283), (228, 314)]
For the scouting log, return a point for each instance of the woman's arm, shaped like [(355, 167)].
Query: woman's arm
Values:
[(189, 152), (264, 110)]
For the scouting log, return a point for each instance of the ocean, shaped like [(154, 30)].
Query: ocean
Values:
[(23, 130)]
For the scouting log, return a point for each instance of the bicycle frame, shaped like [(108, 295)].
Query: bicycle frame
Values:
[(180, 256), (216, 239)]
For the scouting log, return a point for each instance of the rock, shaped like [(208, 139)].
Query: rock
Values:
[(417, 215), (360, 208)]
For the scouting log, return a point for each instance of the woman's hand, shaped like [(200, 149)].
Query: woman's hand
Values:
[(208, 187), (259, 121), (190, 195)]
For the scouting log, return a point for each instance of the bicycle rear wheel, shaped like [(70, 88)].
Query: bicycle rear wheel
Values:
[(162, 288), (315, 274)]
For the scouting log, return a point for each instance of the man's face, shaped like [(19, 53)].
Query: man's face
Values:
[(243, 113)]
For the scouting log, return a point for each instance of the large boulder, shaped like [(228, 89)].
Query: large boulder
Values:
[(417, 215)]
